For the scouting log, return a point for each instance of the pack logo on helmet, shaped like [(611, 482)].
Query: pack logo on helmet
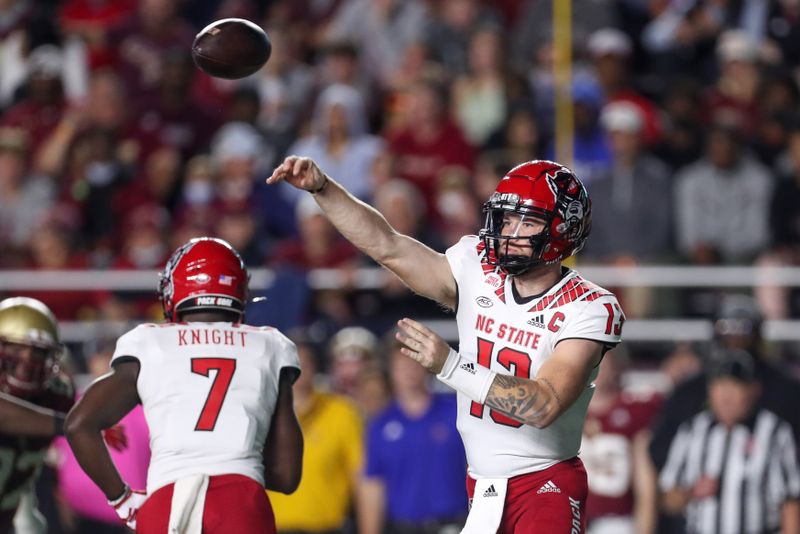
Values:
[(214, 301), (573, 217)]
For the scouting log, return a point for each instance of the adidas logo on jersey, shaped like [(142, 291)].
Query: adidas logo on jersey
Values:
[(490, 492), (549, 487), (537, 321), (468, 367)]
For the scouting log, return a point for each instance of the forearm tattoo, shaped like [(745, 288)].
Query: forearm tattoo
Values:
[(520, 399), (552, 389)]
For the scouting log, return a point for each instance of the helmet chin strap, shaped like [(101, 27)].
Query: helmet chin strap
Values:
[(517, 264), (517, 268)]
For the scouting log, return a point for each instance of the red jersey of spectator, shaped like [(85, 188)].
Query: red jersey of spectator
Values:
[(734, 98), (51, 249), (607, 453), (318, 245), (419, 159), (154, 185), (746, 115), (292, 253), (93, 19), (142, 238), (187, 127), (38, 119), (68, 305), (652, 131), (143, 43), (44, 102)]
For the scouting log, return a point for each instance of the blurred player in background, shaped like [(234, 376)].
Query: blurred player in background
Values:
[(622, 481), (531, 334), (35, 395), (217, 396)]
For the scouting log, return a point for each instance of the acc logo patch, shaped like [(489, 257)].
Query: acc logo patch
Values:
[(484, 302)]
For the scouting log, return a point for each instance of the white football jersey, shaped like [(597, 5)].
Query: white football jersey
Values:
[(208, 391), (516, 338)]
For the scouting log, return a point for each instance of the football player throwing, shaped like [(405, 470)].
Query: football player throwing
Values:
[(531, 335)]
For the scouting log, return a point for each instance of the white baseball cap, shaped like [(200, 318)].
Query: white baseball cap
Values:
[(237, 140), (609, 41), (736, 45), (622, 116)]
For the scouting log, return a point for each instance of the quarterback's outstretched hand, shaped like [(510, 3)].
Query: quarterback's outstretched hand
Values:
[(422, 344), (128, 504), (302, 173)]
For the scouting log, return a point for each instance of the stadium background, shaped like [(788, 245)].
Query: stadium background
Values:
[(114, 149)]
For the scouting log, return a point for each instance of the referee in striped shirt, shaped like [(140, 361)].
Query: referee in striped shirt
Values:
[(733, 468)]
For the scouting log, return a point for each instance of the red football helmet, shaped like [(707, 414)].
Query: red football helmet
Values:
[(546, 191), (204, 274)]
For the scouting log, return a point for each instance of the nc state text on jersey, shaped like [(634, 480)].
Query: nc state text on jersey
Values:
[(512, 334), (210, 336)]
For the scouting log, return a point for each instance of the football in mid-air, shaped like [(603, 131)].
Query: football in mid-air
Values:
[(231, 48)]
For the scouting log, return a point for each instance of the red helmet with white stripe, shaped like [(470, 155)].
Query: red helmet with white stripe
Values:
[(204, 274), (548, 192)]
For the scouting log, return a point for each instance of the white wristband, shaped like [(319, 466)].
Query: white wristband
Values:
[(470, 378), (126, 492)]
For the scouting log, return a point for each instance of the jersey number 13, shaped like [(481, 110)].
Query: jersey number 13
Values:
[(506, 357)]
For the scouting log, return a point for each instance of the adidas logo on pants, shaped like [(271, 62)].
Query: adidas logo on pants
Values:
[(549, 487)]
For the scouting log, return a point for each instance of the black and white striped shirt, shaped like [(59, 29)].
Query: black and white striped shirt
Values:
[(755, 464)]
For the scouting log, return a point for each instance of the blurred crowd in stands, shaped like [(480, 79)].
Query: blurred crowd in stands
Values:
[(114, 149)]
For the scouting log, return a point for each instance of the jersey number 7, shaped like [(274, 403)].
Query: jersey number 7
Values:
[(505, 357), (225, 368)]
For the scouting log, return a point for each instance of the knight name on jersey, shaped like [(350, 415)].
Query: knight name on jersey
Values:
[(506, 332), (211, 336)]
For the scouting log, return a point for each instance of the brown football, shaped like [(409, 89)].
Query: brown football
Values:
[(231, 48)]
